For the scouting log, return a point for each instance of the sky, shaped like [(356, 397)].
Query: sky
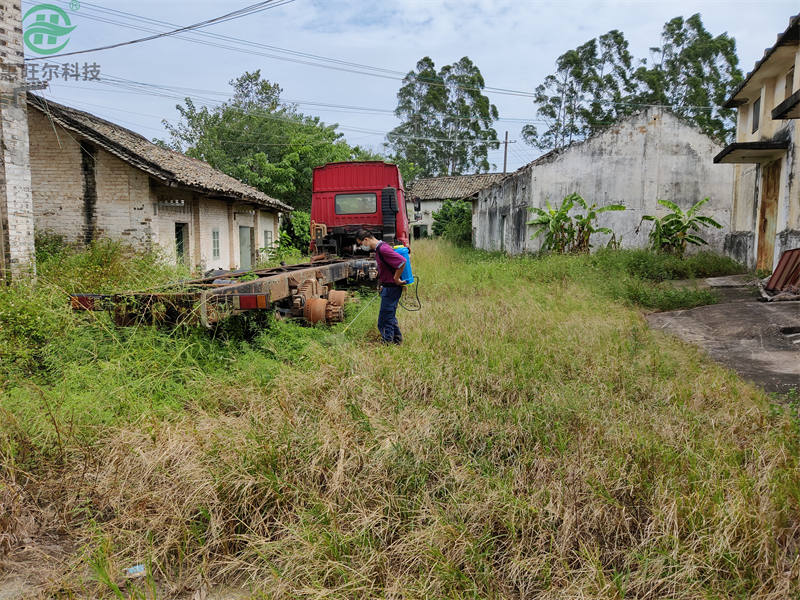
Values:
[(368, 47)]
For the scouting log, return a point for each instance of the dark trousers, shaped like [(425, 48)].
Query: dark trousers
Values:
[(387, 317)]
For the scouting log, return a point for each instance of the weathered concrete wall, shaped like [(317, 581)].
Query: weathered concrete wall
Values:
[(650, 156), (777, 85), (427, 208), (16, 203)]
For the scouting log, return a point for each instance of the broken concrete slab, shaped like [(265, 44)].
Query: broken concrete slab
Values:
[(756, 339), (730, 288)]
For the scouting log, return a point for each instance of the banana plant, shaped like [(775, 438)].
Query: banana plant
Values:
[(566, 233), (586, 223), (672, 232)]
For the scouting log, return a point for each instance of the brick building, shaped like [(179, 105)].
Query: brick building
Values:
[(92, 178), (16, 209)]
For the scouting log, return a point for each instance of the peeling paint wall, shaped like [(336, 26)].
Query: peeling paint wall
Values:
[(650, 156), (772, 85)]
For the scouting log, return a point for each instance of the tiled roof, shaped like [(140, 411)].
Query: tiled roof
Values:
[(452, 187), (167, 166), (790, 37)]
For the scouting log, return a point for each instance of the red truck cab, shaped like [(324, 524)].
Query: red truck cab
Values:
[(348, 196)]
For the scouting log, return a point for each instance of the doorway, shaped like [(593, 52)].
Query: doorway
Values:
[(181, 241), (768, 214), (247, 248)]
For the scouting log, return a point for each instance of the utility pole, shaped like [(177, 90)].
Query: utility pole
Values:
[(505, 155)]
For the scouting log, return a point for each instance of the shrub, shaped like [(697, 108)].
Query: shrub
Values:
[(658, 266), (454, 221), (298, 227)]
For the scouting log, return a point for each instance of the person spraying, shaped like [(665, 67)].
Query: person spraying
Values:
[(390, 271)]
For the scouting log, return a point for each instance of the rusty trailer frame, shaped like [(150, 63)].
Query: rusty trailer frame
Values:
[(300, 290)]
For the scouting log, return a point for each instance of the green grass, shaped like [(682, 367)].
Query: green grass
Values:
[(532, 437)]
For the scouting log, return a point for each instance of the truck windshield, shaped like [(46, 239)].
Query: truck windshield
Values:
[(356, 204)]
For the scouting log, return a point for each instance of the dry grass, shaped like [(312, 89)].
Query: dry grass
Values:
[(532, 438)]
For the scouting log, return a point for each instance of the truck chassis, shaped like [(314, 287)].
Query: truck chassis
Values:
[(303, 291)]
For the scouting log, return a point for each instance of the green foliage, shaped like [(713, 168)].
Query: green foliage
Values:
[(672, 232), (597, 83), (658, 266), (589, 90), (261, 141), (436, 107), (297, 226), (454, 221), (564, 232)]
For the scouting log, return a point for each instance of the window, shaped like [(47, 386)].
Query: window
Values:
[(356, 204), (789, 81), (267, 238), (215, 243), (756, 114)]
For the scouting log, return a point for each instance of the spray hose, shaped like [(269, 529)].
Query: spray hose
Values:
[(418, 307)]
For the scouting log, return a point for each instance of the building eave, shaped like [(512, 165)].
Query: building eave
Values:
[(751, 152), (788, 109), (790, 37)]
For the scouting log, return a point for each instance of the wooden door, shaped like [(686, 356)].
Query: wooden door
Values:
[(768, 214), (246, 247)]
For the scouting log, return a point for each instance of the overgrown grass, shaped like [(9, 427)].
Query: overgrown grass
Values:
[(531, 438)]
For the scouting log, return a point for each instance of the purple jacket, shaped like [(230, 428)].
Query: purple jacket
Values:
[(388, 262)]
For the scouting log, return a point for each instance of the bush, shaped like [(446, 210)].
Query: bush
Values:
[(454, 222), (297, 226), (658, 266)]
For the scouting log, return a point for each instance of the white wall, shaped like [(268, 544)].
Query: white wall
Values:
[(650, 156)]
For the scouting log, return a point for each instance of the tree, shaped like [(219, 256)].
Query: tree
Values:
[(694, 73), (599, 82), (260, 140), (447, 121), (587, 92)]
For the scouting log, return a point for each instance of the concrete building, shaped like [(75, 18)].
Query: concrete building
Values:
[(16, 201), (431, 192), (646, 157), (766, 194), (92, 178)]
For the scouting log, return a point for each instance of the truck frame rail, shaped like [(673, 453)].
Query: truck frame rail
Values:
[(305, 290)]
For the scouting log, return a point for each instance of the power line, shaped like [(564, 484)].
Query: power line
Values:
[(320, 61), (252, 9)]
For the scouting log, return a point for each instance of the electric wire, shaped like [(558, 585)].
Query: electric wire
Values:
[(248, 10), (321, 61)]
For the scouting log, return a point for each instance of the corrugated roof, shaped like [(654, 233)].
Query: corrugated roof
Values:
[(452, 187), (167, 166)]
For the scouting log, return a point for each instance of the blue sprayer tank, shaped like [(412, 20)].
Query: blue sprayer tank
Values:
[(407, 275)]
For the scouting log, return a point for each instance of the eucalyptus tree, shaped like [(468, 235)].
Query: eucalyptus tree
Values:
[(446, 120), (691, 72)]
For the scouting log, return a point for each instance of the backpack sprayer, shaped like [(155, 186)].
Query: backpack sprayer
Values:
[(408, 277)]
